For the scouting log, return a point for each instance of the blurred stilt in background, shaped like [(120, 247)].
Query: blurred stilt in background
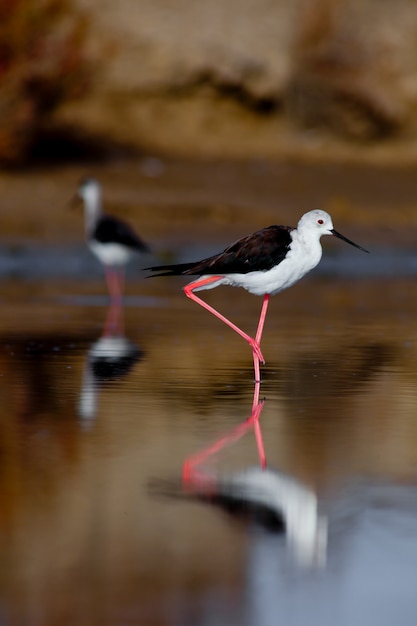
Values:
[(112, 240)]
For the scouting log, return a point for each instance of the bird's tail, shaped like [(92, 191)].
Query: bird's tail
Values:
[(172, 270)]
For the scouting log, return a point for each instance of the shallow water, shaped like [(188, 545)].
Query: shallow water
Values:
[(100, 524), (140, 482)]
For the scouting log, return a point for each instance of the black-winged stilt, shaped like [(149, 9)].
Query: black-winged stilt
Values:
[(110, 238), (264, 263)]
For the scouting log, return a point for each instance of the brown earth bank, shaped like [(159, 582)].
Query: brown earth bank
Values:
[(309, 79), (254, 78)]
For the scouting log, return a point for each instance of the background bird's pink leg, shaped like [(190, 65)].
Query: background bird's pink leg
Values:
[(115, 282), (188, 290), (114, 326)]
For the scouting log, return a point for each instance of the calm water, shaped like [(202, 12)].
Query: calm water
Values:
[(139, 481), (119, 507)]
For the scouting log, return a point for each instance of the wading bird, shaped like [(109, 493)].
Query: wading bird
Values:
[(264, 263), (111, 239)]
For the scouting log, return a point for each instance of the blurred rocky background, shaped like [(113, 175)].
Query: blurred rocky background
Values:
[(209, 78)]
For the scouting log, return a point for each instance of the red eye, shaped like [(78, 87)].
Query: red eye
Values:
[(320, 221)]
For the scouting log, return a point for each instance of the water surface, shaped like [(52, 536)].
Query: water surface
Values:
[(97, 526), (132, 479)]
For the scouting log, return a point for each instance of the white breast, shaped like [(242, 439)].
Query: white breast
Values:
[(111, 253)]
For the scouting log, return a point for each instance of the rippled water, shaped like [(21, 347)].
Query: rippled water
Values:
[(131, 484)]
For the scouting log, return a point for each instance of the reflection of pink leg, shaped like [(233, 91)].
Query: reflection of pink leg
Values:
[(256, 412), (259, 442), (254, 343), (256, 391), (191, 472)]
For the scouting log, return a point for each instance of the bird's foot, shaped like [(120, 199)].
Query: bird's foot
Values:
[(256, 348)]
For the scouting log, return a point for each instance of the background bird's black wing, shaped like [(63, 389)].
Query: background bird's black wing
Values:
[(114, 230), (257, 252)]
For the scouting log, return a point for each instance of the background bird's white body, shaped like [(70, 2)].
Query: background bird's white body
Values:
[(112, 254)]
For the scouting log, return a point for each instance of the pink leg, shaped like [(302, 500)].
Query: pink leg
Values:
[(262, 319), (256, 391), (258, 336), (121, 277), (256, 367), (188, 290), (114, 320), (115, 281)]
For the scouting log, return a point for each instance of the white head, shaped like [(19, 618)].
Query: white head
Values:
[(317, 223), (89, 191)]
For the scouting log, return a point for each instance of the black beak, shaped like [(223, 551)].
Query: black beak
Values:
[(343, 238)]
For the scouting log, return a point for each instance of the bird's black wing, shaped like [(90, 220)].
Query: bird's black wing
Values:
[(260, 251), (111, 229)]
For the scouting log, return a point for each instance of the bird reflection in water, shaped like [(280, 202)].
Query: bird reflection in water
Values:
[(273, 500), (110, 358)]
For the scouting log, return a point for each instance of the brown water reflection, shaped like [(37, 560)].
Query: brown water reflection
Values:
[(84, 539)]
